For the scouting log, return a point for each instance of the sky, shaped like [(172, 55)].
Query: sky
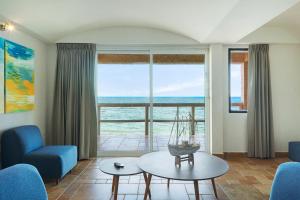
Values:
[(235, 81), (185, 80)]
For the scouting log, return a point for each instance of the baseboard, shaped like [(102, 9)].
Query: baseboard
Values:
[(281, 154), (227, 155), (220, 155), (235, 155)]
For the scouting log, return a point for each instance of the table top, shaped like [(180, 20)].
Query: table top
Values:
[(162, 164), (130, 166)]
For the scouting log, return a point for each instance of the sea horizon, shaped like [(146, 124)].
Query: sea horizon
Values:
[(159, 113), (160, 99)]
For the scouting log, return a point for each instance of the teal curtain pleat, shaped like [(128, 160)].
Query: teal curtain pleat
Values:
[(74, 110), (260, 115)]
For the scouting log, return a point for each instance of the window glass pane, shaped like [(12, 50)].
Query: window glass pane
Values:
[(123, 102), (178, 83), (238, 68)]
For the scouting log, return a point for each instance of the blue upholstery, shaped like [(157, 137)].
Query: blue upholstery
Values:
[(286, 183), (53, 161), (21, 182), (16, 142), (294, 151), (25, 145)]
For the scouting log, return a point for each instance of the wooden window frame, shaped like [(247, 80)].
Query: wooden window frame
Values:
[(230, 50)]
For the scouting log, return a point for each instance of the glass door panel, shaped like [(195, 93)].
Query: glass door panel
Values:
[(178, 86), (123, 103)]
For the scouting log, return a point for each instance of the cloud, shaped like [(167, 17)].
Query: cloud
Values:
[(197, 83)]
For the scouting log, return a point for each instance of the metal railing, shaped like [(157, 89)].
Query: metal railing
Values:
[(147, 119)]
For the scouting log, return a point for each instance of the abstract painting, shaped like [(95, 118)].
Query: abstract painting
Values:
[(1, 76), (19, 78)]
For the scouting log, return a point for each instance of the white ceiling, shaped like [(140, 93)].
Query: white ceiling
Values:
[(289, 19), (285, 28), (206, 21)]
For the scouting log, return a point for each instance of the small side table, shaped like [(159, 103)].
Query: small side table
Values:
[(130, 168)]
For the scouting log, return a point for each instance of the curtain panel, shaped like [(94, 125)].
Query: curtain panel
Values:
[(260, 117), (74, 110)]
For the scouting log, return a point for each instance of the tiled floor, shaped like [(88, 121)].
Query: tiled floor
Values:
[(247, 179), (136, 142)]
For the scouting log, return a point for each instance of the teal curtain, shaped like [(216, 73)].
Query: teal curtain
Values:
[(260, 116), (74, 111)]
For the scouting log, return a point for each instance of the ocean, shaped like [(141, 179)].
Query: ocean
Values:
[(138, 113)]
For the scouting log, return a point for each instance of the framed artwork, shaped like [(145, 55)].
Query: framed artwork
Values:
[(1, 76), (19, 77)]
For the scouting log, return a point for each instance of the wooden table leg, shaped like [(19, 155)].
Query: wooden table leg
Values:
[(145, 178), (214, 186), (113, 184), (116, 186), (168, 182), (196, 186), (147, 190)]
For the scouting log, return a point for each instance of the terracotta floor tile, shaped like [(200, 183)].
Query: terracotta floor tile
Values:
[(247, 179)]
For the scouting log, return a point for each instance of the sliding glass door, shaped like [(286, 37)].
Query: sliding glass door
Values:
[(123, 102), (178, 89), (139, 95)]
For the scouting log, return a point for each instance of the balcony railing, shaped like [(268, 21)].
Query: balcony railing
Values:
[(240, 105), (147, 119)]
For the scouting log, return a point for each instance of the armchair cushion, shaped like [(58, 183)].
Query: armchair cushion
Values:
[(53, 161), (21, 182), (286, 183)]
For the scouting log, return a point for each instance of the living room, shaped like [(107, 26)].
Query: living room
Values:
[(149, 99)]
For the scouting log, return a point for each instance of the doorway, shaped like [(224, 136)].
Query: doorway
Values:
[(139, 94)]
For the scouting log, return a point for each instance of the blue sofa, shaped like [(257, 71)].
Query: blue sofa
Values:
[(25, 145), (21, 182), (286, 183)]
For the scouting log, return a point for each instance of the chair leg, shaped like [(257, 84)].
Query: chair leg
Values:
[(57, 181)]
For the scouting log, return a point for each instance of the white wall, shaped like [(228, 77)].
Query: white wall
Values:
[(285, 83), (217, 98), (37, 116)]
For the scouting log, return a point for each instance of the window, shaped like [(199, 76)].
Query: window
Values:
[(139, 94), (238, 80)]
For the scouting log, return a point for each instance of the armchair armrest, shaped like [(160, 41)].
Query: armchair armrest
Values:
[(286, 183), (22, 182)]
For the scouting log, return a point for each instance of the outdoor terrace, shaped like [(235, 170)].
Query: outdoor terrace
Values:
[(117, 141)]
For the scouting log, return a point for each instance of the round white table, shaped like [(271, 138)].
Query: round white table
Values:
[(161, 164)]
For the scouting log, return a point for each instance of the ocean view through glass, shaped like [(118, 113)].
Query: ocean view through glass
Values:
[(159, 113), (128, 87)]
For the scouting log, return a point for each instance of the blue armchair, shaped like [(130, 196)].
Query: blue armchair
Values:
[(294, 151), (25, 145), (21, 182), (286, 183)]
